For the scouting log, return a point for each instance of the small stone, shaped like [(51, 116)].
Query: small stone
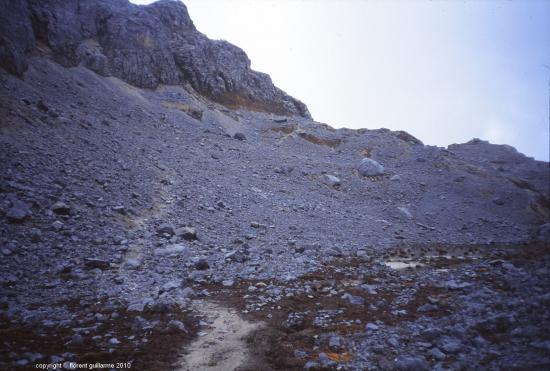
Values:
[(311, 365), (411, 363), (77, 339), (16, 214), (228, 283), (5, 251), (202, 264), (449, 344), (166, 229), (171, 285), (237, 256), (22, 362), (393, 342), (355, 300), (335, 342), (93, 263), (437, 354), (239, 136), (331, 180), (427, 308), (176, 326), (187, 233), (61, 208), (114, 341), (132, 263), (285, 170), (120, 209), (171, 250), (42, 106), (371, 327), (325, 360), (405, 212)]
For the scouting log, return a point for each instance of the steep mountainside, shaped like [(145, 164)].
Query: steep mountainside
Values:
[(145, 46), (144, 167)]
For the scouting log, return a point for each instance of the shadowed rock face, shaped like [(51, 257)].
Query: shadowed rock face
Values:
[(144, 45)]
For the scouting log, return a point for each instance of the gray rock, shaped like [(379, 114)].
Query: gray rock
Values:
[(166, 230), (172, 250), (176, 326), (285, 170), (16, 214), (405, 212), (202, 264), (411, 363), (335, 342), (77, 339), (132, 263), (355, 300), (22, 362), (18, 211), (114, 341), (437, 354), (371, 326), (239, 136), (187, 233), (171, 285), (311, 365), (228, 283), (331, 180), (430, 333), (237, 256), (454, 285), (497, 323), (369, 167), (449, 344), (57, 225), (325, 360), (120, 209), (140, 324), (61, 208), (428, 307), (93, 263)]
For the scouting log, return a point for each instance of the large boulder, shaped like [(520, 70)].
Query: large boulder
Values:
[(369, 167)]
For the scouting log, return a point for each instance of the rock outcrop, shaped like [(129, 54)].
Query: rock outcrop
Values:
[(145, 46)]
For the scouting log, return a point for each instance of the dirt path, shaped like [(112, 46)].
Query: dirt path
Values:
[(221, 346)]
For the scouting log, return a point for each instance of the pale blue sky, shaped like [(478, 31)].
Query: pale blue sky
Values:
[(445, 71)]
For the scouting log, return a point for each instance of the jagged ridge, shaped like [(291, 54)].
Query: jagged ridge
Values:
[(144, 45)]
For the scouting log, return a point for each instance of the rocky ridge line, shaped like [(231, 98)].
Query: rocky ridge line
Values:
[(145, 46)]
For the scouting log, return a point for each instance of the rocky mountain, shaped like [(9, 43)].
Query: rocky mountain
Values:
[(161, 201), (145, 46)]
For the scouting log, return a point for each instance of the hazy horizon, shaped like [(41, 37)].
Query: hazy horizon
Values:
[(445, 72)]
